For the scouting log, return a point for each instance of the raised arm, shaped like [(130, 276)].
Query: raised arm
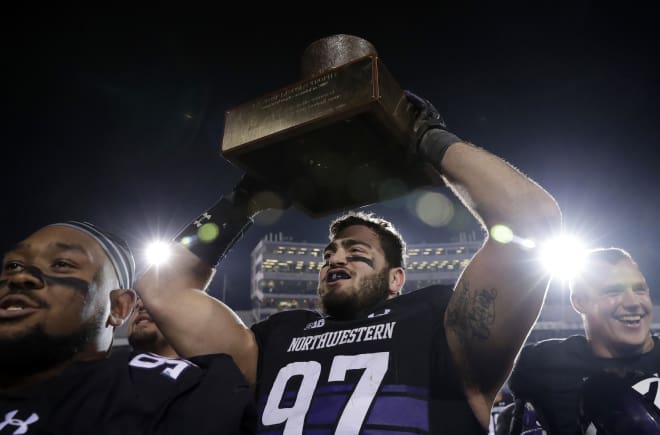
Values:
[(499, 295), (194, 322)]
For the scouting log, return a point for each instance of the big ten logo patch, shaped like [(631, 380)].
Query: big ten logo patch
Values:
[(320, 323)]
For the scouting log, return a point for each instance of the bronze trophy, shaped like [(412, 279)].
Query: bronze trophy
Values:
[(335, 139)]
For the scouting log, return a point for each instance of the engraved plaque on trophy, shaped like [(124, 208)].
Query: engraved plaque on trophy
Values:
[(335, 139)]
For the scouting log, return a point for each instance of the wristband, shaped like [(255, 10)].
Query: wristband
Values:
[(212, 235), (434, 144)]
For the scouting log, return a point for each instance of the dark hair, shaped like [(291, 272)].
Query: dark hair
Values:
[(607, 255), (390, 239)]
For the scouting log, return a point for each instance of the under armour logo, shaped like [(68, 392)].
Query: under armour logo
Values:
[(200, 221), (22, 424)]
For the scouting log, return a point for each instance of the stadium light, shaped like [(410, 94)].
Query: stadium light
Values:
[(157, 252), (563, 257)]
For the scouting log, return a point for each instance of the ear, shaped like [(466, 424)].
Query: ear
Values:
[(397, 277), (122, 302)]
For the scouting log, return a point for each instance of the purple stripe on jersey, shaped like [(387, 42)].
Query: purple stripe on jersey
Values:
[(400, 411), (388, 432), (394, 406), (317, 431), (403, 412), (412, 391)]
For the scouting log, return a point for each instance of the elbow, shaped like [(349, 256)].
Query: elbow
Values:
[(533, 214), (542, 216)]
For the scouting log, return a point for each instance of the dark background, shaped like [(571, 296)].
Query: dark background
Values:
[(116, 118)]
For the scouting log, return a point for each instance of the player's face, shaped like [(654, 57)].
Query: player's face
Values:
[(618, 309), (143, 334), (355, 275), (47, 283)]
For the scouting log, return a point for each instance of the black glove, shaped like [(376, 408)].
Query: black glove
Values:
[(430, 137), (427, 116)]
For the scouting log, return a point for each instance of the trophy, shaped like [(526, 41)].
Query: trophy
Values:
[(334, 140)]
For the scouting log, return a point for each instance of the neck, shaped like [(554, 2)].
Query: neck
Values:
[(166, 351), (162, 349)]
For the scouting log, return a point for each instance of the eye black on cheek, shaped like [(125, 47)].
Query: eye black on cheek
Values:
[(77, 284), (365, 260)]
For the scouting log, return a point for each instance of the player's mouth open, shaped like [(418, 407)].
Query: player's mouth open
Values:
[(337, 276)]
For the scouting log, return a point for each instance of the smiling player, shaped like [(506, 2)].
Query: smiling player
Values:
[(613, 299)]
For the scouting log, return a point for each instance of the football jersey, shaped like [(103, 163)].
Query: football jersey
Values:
[(135, 394), (389, 372), (549, 374)]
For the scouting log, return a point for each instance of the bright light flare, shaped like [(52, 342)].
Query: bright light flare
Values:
[(503, 234), (563, 257), (157, 253), (434, 209)]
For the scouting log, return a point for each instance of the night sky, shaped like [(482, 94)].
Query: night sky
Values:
[(117, 119)]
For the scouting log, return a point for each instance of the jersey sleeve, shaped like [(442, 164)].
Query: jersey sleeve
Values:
[(521, 382), (450, 411), (447, 378)]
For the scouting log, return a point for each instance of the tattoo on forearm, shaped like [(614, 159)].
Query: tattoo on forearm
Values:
[(472, 313)]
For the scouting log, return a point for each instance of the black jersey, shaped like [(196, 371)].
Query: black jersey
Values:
[(549, 374), (132, 394), (389, 372)]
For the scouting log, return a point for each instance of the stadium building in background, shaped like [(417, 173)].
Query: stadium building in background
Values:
[(284, 275)]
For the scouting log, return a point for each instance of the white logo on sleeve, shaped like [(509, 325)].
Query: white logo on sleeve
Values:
[(591, 430), (22, 425), (649, 388), (173, 366), (200, 221), (384, 312)]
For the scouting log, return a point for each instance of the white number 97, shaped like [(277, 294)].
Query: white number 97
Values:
[(355, 410)]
